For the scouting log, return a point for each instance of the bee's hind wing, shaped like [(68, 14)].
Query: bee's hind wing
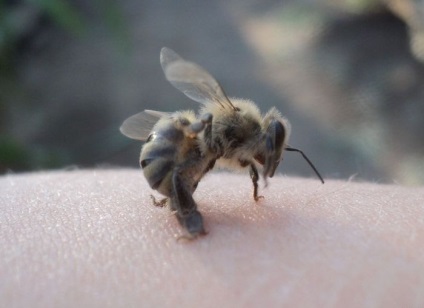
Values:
[(192, 80), (139, 126)]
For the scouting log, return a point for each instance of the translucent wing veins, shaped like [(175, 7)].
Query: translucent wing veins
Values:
[(192, 80), (139, 126)]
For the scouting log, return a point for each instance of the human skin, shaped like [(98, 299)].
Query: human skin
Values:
[(92, 238)]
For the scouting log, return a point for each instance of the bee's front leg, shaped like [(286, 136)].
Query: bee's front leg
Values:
[(254, 175), (186, 208)]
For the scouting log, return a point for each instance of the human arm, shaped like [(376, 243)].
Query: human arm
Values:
[(93, 238)]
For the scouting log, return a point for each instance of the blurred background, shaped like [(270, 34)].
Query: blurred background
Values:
[(347, 74)]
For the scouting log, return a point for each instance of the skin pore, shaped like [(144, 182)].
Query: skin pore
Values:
[(93, 238)]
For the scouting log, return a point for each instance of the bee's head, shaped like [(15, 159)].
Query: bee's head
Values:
[(276, 131)]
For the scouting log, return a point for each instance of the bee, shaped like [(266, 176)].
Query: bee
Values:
[(172, 161), (181, 147)]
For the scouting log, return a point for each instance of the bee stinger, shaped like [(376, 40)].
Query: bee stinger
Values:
[(180, 147)]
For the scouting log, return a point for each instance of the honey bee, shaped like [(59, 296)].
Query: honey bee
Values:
[(181, 147)]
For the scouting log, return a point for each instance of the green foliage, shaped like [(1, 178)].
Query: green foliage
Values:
[(114, 20), (19, 22), (13, 25), (16, 156), (62, 13), (13, 156)]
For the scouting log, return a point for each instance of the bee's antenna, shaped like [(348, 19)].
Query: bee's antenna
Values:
[(307, 159)]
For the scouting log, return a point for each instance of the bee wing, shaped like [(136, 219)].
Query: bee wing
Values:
[(192, 80), (139, 126)]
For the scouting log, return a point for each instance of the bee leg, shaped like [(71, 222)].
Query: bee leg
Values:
[(197, 127), (159, 203), (254, 175), (214, 145), (186, 209)]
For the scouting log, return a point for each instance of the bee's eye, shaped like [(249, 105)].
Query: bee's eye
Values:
[(280, 134)]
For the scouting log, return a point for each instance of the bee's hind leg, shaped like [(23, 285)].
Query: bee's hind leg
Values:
[(197, 127), (186, 208), (159, 203)]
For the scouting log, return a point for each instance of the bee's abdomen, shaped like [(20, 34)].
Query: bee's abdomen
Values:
[(157, 170), (157, 160)]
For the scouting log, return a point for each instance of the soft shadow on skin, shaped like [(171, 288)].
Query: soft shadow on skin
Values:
[(227, 207)]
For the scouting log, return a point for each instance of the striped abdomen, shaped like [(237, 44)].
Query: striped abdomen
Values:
[(161, 153)]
